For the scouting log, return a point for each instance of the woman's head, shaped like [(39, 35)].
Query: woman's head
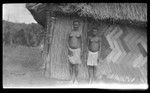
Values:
[(76, 24), (95, 31)]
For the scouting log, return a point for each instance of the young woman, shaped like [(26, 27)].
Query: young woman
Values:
[(74, 43), (93, 47)]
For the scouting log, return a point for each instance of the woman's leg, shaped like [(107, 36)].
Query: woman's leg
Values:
[(71, 70), (90, 73), (94, 68), (73, 73), (76, 70)]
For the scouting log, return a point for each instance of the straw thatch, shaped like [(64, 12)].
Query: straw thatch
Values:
[(132, 13)]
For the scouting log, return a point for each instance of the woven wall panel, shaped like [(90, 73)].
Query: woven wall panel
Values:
[(128, 55), (59, 66)]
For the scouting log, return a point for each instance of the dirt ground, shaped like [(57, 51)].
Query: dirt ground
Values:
[(22, 66)]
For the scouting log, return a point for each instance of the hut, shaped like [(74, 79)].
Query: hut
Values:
[(122, 27)]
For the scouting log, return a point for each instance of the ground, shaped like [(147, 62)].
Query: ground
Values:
[(22, 66)]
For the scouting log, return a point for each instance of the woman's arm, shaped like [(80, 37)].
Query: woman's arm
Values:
[(88, 41), (69, 52)]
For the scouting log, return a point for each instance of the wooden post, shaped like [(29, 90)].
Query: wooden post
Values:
[(56, 57), (48, 39)]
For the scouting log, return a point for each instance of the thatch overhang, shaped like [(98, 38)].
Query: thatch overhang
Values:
[(122, 13)]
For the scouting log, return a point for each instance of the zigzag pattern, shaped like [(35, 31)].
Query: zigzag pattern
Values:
[(124, 46), (128, 53)]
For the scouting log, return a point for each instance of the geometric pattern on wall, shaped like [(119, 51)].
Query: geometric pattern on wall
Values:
[(124, 46), (123, 54)]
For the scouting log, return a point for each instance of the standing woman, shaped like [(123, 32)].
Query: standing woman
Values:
[(93, 49), (74, 48)]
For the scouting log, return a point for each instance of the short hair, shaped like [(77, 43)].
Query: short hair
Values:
[(94, 29), (76, 21)]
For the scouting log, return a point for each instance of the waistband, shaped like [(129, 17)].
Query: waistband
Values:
[(74, 49), (92, 52)]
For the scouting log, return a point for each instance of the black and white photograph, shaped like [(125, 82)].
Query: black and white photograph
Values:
[(75, 45)]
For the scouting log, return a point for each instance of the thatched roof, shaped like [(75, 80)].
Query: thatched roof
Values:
[(132, 13)]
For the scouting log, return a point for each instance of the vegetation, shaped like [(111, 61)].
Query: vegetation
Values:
[(22, 34)]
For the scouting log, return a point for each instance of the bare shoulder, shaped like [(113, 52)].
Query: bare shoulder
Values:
[(95, 38), (73, 33), (79, 33)]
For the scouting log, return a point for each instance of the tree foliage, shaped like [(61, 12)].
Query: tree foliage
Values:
[(22, 34)]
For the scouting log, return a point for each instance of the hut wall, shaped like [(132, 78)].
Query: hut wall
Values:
[(58, 66), (123, 53)]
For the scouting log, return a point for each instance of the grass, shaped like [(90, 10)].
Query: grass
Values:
[(24, 56), (22, 66)]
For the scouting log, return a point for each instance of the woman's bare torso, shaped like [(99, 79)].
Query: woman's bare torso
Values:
[(94, 44), (74, 40)]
